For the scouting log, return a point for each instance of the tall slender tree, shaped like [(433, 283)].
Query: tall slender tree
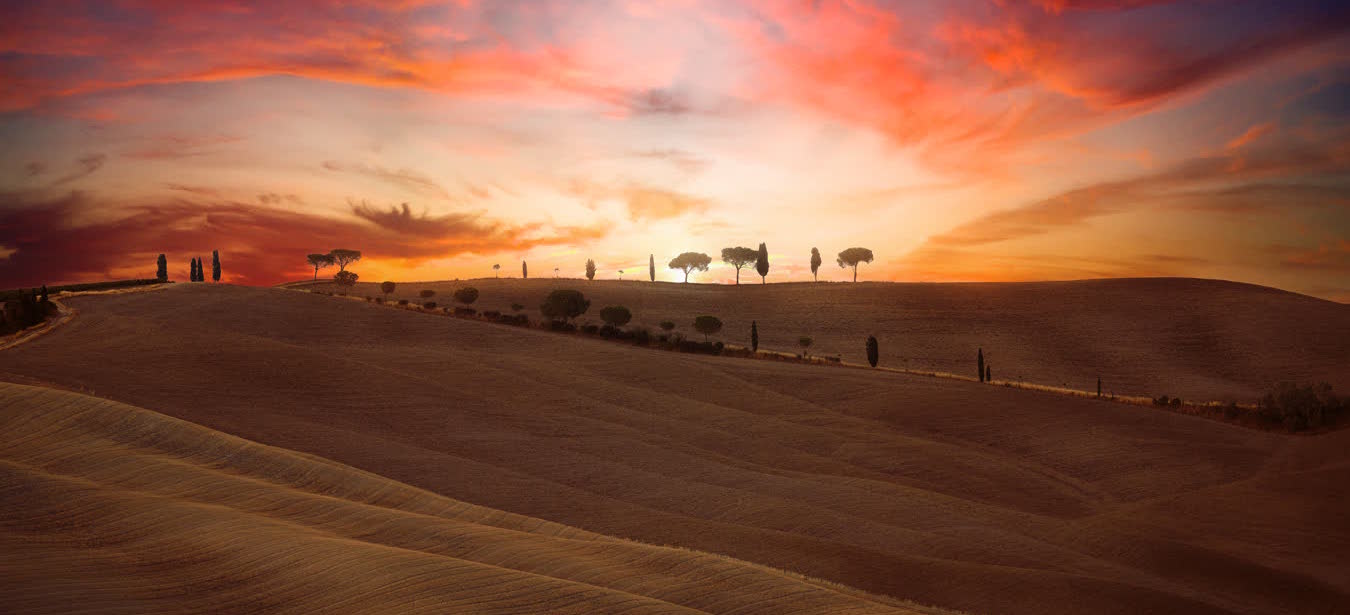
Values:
[(651, 266), (162, 268), (980, 364), (201, 269), (192, 270), (215, 265), (590, 269), (495, 268), (754, 336), (762, 263), (815, 264), (873, 352), (524, 270)]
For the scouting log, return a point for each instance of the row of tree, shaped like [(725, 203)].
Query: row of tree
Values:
[(740, 257), (196, 270)]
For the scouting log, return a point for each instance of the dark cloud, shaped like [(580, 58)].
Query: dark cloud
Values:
[(57, 240)]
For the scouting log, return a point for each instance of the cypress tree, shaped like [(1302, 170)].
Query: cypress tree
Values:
[(524, 270), (1099, 386), (192, 270), (980, 365), (215, 265), (754, 336), (201, 269), (873, 352), (651, 266), (162, 269), (762, 263), (988, 373), (44, 294)]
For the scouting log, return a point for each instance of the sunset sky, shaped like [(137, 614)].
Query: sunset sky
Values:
[(959, 140)]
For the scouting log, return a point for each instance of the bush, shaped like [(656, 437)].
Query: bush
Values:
[(516, 307), (666, 325), (379, 300), (712, 348), (403, 302), (519, 320), (616, 315), (707, 325), (465, 311), (873, 353), (466, 295), (1301, 407), (561, 325), (430, 305), (564, 305), (805, 342), (493, 314), (1162, 401), (590, 329), (641, 336), (427, 293), (386, 287)]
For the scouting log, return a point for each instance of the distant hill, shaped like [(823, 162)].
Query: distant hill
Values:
[(1203, 340)]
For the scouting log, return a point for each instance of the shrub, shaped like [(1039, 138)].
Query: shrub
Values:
[(379, 300), (564, 305), (754, 336), (590, 329), (1161, 401), (641, 336), (427, 293), (403, 302), (516, 307), (1301, 407), (465, 311), (873, 352), (386, 287), (430, 305), (345, 278), (466, 295), (707, 325), (616, 315), (519, 320), (666, 325), (561, 325), (805, 342), (493, 314), (712, 348)]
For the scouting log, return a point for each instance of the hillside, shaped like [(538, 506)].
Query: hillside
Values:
[(1199, 339), (127, 510), (943, 492)]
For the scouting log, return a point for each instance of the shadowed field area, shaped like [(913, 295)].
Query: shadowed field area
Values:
[(943, 492), (1203, 340), (111, 508)]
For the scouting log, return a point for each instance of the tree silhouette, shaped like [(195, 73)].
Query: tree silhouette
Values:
[(690, 261), (651, 266), (815, 264), (979, 365), (555, 272), (616, 315), (620, 274), (387, 287), (524, 271), (192, 271), (707, 325), (988, 373), (495, 269), (427, 293), (762, 263), (162, 269), (343, 257), (667, 325), (320, 261), (754, 336), (215, 265), (345, 278), (1099, 386), (590, 269), (739, 257), (852, 256), (564, 304), (873, 352), (201, 269), (43, 298), (805, 342)]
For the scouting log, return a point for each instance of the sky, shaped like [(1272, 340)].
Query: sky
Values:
[(965, 140)]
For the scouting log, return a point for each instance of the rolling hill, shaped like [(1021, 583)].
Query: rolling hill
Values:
[(111, 508), (1205, 340), (944, 492)]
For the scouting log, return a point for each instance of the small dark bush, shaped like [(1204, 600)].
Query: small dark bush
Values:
[(707, 325), (465, 311), (616, 315), (564, 304), (466, 295), (403, 302), (590, 329), (713, 348), (1162, 401), (666, 325), (561, 325), (1301, 407), (519, 320), (430, 305), (1231, 411), (1176, 402), (516, 307), (493, 314), (369, 298), (379, 300), (663, 338), (427, 293), (641, 336)]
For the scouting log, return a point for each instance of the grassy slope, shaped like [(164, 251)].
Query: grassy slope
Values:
[(1199, 339), (949, 493), (127, 510)]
